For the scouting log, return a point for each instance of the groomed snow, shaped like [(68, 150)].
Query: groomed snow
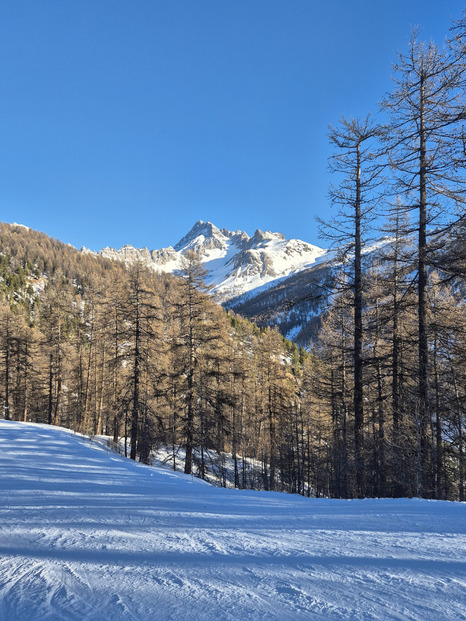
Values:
[(88, 535)]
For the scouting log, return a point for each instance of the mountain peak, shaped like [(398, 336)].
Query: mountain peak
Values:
[(259, 236), (236, 263), (206, 229)]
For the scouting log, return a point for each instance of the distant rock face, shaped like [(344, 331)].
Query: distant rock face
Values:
[(237, 264), (265, 277)]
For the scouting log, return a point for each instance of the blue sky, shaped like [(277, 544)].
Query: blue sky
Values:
[(125, 121)]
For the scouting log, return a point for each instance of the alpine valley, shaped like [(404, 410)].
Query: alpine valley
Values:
[(264, 277)]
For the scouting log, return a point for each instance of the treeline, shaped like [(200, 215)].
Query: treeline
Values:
[(393, 342)]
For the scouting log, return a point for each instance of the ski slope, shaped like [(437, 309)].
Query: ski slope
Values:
[(88, 535)]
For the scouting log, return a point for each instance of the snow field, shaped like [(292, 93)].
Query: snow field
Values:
[(88, 535)]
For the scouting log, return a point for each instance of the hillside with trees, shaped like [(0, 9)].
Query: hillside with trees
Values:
[(102, 349)]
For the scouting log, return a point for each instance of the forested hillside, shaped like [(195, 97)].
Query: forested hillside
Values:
[(96, 347)]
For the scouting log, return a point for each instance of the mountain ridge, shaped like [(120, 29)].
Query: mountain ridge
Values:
[(237, 264)]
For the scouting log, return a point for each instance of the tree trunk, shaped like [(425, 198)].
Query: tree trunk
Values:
[(425, 482)]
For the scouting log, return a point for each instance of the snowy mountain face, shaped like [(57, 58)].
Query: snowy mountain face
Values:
[(238, 266), (266, 278)]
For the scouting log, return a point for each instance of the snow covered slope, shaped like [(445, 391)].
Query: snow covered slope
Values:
[(88, 535), (236, 263)]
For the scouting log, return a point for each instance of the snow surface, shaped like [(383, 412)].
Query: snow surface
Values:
[(89, 535)]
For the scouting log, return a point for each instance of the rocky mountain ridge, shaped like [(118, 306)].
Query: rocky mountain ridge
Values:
[(264, 277), (237, 264)]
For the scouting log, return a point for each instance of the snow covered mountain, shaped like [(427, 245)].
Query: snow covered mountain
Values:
[(238, 266), (265, 278)]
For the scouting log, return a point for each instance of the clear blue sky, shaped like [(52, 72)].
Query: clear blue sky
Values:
[(125, 121)]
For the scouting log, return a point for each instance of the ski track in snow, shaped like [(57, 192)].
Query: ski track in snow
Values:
[(88, 535)]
